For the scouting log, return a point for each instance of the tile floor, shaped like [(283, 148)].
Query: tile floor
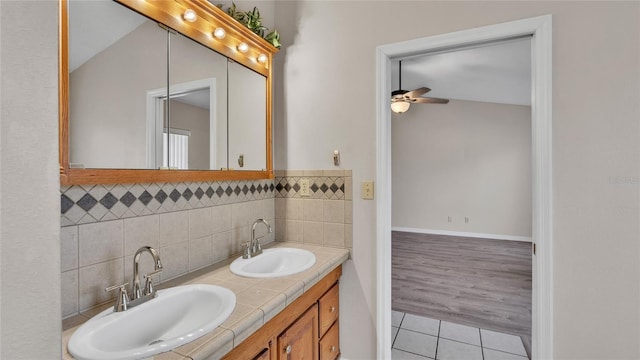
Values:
[(417, 337)]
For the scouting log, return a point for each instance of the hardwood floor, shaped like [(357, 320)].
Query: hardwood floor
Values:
[(483, 283)]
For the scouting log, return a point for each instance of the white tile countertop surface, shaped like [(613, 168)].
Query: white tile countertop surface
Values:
[(258, 301)]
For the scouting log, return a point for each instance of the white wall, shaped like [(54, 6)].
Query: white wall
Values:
[(325, 100), (30, 211), (107, 121), (463, 159)]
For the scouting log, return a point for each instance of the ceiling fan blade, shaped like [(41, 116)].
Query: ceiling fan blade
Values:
[(417, 92), (425, 100)]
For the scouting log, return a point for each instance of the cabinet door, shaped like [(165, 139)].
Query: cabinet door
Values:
[(300, 340), (329, 309)]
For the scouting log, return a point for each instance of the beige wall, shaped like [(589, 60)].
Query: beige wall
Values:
[(325, 100), (196, 120), (30, 212), (464, 159)]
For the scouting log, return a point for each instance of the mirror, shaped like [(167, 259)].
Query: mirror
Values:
[(144, 99), (247, 118), (103, 58)]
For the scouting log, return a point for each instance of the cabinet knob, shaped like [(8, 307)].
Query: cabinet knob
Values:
[(333, 348), (288, 349), (332, 309)]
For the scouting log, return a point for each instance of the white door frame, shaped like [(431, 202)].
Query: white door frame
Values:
[(540, 28), (155, 125)]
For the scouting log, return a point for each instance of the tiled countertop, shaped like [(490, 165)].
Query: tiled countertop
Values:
[(257, 301)]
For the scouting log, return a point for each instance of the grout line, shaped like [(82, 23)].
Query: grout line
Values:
[(438, 339), (481, 346)]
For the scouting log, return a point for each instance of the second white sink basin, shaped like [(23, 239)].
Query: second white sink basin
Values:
[(175, 317), (274, 263)]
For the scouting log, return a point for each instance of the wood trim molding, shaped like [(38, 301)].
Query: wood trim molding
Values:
[(169, 14), (542, 182)]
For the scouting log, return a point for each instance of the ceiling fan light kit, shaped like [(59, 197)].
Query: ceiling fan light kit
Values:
[(401, 99)]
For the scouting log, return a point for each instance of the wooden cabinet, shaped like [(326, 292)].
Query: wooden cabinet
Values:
[(330, 343), (307, 329), (264, 355), (300, 340)]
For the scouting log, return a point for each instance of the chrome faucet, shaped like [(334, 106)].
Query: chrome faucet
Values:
[(254, 248), (138, 296)]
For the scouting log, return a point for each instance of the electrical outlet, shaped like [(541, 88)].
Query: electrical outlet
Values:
[(448, 218), (304, 187), (367, 190), (466, 220)]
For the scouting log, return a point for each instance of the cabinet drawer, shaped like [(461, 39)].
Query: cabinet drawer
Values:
[(330, 343), (329, 309)]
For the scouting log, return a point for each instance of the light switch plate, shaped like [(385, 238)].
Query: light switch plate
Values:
[(367, 190), (304, 187)]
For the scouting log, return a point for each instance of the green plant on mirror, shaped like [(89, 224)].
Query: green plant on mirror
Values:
[(253, 21)]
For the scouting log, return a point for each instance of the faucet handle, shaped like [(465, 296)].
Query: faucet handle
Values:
[(246, 250), (148, 286), (257, 247), (122, 301)]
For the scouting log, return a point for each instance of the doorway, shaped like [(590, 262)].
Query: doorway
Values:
[(540, 29)]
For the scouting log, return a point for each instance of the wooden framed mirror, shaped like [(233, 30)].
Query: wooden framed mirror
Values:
[(108, 130)]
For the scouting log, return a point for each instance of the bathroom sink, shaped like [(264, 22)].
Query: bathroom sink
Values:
[(175, 317), (274, 263)]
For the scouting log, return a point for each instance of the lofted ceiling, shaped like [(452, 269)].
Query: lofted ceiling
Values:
[(96, 25), (495, 73)]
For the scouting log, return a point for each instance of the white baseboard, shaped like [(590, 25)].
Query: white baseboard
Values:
[(463, 234)]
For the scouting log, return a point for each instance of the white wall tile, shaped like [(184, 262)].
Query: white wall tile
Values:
[(200, 223), (68, 248), (293, 231), (175, 260), (313, 210), (200, 252), (69, 289), (99, 242), (312, 232), (221, 218), (141, 231), (294, 209), (94, 279), (221, 246), (334, 234), (174, 228), (241, 214), (333, 211)]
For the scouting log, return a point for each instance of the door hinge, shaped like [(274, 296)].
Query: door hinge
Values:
[(533, 248)]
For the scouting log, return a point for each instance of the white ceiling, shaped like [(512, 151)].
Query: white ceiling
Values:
[(95, 25), (495, 73)]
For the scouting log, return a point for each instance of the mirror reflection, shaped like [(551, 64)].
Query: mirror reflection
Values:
[(198, 106), (247, 119), (115, 57), (144, 97)]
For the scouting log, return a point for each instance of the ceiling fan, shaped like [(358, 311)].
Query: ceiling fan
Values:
[(401, 100)]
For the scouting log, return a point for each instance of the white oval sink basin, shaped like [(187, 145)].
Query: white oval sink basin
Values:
[(274, 263), (175, 317)]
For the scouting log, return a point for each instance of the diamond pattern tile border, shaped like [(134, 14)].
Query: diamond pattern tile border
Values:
[(78, 204), (328, 188)]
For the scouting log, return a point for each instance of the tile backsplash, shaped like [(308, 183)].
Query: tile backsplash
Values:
[(192, 224), (324, 217)]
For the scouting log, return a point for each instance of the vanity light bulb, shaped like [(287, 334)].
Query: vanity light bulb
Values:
[(219, 33), (262, 58), (243, 47), (190, 15)]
